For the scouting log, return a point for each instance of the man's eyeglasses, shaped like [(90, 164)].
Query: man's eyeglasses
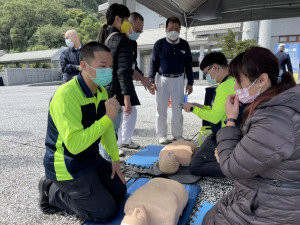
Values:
[(205, 72)]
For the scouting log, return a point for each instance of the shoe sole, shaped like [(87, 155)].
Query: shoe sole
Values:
[(130, 147)]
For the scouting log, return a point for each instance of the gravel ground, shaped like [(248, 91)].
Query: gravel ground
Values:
[(23, 122)]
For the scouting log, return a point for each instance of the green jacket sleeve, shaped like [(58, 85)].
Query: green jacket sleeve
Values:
[(217, 113), (65, 111)]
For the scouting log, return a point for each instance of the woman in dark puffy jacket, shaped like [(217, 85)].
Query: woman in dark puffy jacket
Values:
[(264, 156), (122, 53)]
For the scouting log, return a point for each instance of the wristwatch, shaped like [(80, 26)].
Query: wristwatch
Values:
[(230, 119), (192, 108)]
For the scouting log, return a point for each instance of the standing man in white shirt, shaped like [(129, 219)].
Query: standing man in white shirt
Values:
[(172, 59)]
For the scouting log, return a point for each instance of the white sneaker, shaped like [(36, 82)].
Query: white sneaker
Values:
[(132, 145), (121, 153), (163, 140)]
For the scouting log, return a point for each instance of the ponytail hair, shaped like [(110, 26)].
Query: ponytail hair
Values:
[(254, 62), (103, 34), (113, 10)]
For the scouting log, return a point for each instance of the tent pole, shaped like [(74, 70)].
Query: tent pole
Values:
[(174, 3), (186, 25)]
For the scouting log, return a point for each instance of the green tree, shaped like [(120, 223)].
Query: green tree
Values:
[(38, 48), (75, 14), (228, 44), (89, 6), (16, 22), (242, 46), (92, 5), (89, 29), (231, 47), (20, 19), (39, 24), (48, 36)]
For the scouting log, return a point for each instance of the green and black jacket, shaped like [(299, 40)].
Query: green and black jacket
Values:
[(76, 124), (216, 113)]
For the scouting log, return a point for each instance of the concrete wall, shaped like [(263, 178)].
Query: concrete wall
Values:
[(282, 27), (2, 75), (131, 4), (18, 76), (151, 18)]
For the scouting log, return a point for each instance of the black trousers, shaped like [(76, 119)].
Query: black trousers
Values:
[(204, 162), (93, 196)]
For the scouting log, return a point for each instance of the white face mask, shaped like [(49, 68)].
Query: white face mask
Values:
[(173, 35)]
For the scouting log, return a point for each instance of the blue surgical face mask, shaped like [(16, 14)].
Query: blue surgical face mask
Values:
[(134, 36), (210, 80), (103, 76), (69, 43)]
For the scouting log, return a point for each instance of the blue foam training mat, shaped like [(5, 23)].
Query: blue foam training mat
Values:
[(146, 157), (202, 210), (134, 184)]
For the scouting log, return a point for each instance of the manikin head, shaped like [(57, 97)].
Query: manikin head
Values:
[(137, 216), (168, 163)]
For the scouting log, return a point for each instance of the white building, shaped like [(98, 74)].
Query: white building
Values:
[(202, 39)]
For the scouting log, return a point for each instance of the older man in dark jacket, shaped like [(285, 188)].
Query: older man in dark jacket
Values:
[(284, 59), (69, 58)]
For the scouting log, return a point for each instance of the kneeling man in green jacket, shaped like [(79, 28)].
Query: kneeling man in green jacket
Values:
[(214, 66), (78, 179)]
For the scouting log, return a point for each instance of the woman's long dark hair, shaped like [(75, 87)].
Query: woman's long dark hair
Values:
[(252, 63), (113, 10)]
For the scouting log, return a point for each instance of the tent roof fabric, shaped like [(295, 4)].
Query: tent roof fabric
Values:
[(189, 11), (29, 56)]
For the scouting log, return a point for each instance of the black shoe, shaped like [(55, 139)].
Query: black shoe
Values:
[(44, 186)]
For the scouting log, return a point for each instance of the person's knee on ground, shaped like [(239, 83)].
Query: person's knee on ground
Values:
[(203, 162), (102, 217), (114, 186), (97, 210), (210, 169)]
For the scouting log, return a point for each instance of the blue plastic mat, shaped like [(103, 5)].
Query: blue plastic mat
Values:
[(146, 157), (134, 184), (202, 210)]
